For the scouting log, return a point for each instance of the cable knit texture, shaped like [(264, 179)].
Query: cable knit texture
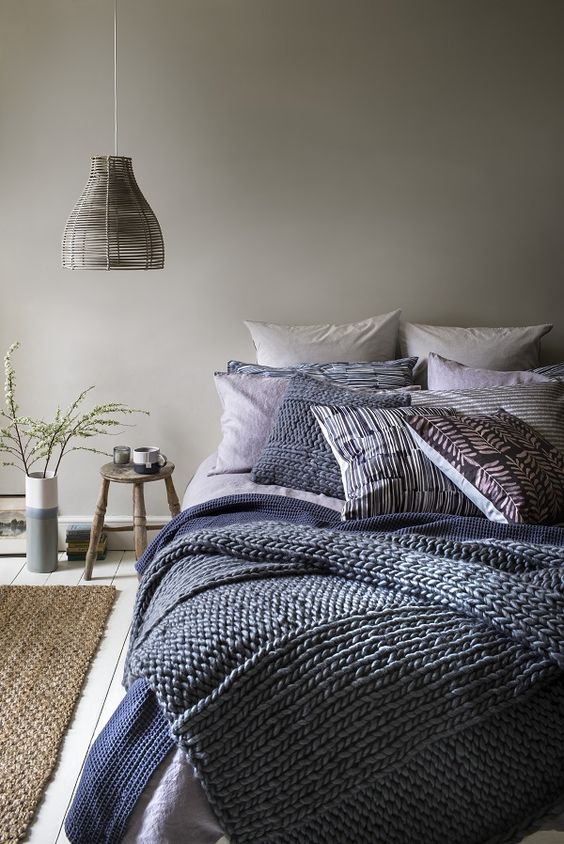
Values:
[(334, 687), (297, 454)]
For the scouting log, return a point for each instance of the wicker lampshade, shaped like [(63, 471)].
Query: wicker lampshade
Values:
[(112, 226)]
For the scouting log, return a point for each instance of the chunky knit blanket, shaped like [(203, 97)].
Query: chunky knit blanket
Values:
[(356, 687)]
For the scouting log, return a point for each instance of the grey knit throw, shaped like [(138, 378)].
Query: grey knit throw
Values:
[(334, 687)]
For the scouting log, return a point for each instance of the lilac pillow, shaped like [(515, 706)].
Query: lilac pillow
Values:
[(249, 407), (444, 374)]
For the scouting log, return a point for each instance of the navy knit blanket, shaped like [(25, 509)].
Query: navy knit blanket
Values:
[(349, 664), (240, 509)]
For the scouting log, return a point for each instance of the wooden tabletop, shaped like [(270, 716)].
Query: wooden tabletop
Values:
[(124, 473)]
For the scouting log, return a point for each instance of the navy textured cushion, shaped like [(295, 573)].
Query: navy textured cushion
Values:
[(297, 454), (379, 375)]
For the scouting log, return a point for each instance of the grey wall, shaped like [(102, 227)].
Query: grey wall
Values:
[(309, 160)]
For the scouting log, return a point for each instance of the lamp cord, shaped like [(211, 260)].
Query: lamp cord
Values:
[(115, 78)]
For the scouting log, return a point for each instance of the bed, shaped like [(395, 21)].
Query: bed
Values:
[(298, 672)]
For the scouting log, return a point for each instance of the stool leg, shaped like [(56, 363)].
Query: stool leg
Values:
[(173, 502), (139, 520), (97, 527)]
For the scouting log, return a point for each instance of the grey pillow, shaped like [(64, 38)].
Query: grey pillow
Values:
[(486, 348), (539, 405), (443, 374), (374, 338), (249, 406), (297, 454)]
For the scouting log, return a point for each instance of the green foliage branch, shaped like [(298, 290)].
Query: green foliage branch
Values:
[(27, 442)]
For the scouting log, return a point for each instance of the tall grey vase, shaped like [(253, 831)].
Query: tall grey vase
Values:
[(42, 509)]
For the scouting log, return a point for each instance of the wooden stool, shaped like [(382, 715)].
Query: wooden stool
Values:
[(126, 474)]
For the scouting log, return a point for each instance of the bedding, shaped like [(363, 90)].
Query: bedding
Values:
[(374, 338), (205, 487), (296, 453), (173, 808), (443, 374), (361, 671), (383, 469), (498, 461), (295, 677), (486, 348)]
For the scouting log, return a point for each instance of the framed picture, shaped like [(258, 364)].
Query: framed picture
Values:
[(12, 525)]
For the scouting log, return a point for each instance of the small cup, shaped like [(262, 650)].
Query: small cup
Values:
[(122, 455), (148, 460)]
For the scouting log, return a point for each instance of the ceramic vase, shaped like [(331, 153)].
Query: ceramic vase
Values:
[(42, 508)]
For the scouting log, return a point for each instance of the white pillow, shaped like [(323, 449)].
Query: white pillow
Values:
[(285, 345), (485, 348)]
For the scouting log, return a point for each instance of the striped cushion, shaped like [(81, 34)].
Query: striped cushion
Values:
[(555, 370), (501, 463), (380, 375), (297, 454), (539, 405), (382, 469)]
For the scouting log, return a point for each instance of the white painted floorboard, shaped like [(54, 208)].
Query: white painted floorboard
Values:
[(102, 690)]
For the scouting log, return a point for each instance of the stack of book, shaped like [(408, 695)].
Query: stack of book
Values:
[(78, 540)]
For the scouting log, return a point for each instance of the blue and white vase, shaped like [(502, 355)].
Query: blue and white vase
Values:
[(42, 509)]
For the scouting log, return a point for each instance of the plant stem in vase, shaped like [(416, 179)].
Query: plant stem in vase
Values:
[(26, 442)]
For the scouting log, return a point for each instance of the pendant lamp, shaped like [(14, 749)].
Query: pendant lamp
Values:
[(112, 226)]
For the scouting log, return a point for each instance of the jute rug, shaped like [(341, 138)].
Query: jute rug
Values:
[(48, 636)]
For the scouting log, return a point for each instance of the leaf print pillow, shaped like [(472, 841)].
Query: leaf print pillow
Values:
[(502, 464)]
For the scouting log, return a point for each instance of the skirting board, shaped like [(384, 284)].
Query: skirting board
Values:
[(118, 540)]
